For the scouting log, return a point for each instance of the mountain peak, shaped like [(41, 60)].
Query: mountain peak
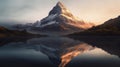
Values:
[(60, 21), (60, 4), (58, 9)]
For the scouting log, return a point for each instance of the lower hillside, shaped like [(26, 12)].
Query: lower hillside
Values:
[(4, 32), (110, 27)]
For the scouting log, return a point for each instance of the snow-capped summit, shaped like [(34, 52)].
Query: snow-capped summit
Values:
[(60, 20), (59, 14), (59, 9)]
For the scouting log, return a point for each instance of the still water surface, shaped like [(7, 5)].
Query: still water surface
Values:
[(60, 52)]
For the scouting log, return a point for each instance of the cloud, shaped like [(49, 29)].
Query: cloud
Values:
[(32, 10), (20, 9)]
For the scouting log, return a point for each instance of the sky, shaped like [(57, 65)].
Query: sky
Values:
[(21, 11)]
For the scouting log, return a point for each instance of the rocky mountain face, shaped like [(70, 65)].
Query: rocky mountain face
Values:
[(59, 21), (110, 27)]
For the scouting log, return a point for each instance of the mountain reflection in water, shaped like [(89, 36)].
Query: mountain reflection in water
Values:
[(61, 51)]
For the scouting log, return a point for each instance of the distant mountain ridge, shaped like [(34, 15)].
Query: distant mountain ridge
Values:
[(4, 32), (110, 27)]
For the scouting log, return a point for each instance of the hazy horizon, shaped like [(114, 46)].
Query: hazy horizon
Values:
[(96, 11)]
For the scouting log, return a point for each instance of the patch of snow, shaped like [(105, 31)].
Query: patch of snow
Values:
[(49, 23), (51, 17)]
